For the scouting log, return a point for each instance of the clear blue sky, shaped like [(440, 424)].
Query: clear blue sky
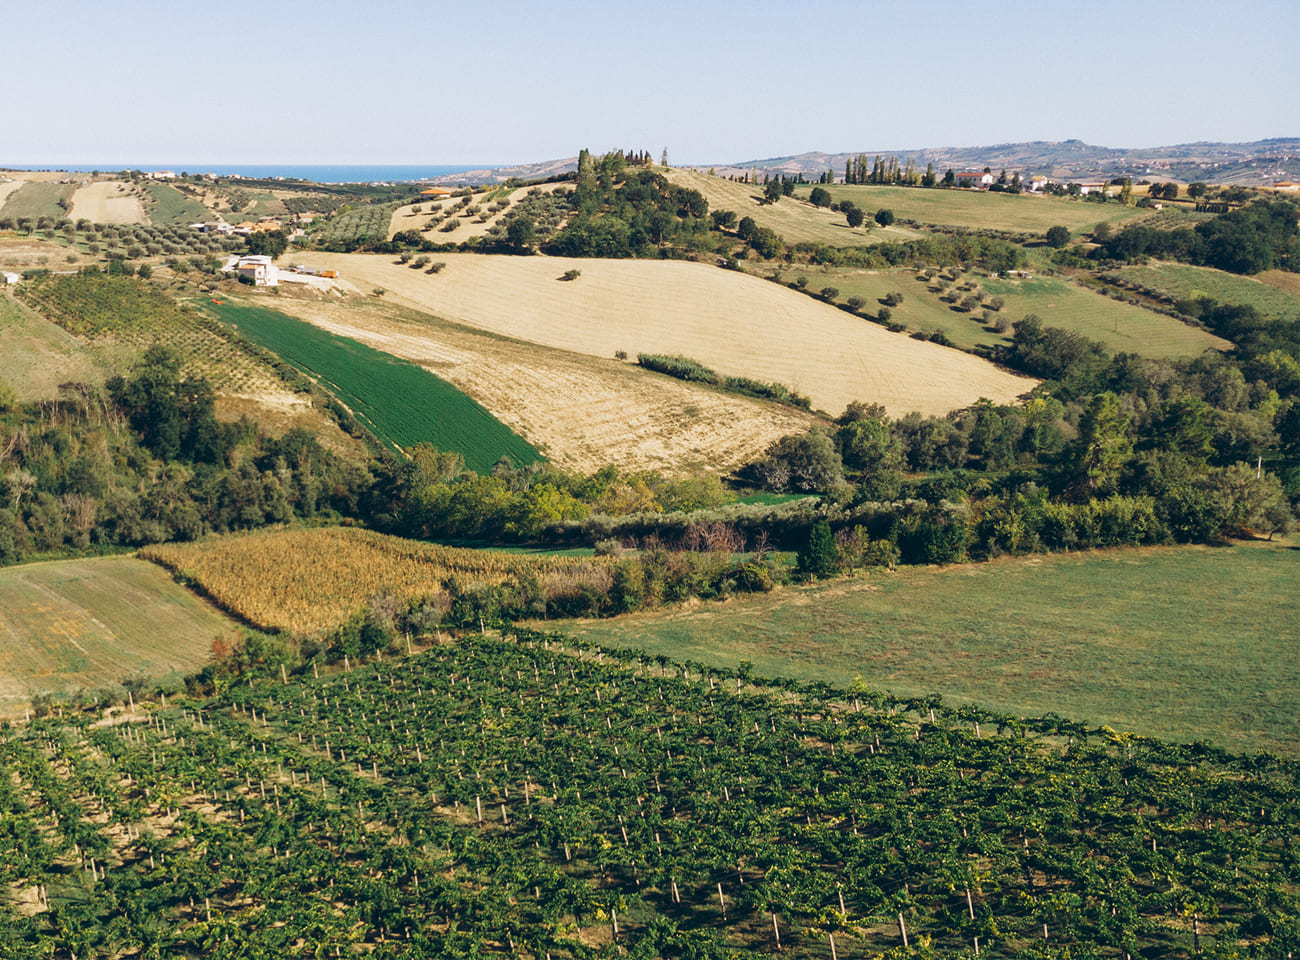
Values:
[(144, 81)]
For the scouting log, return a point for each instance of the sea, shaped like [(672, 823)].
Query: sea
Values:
[(315, 172)]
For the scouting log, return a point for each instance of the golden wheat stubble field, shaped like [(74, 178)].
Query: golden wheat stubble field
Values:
[(582, 412), (107, 201), (737, 324)]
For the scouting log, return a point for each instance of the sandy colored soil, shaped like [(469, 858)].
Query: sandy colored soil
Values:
[(582, 412), (23, 253), (108, 201), (8, 188), (1282, 280), (797, 221), (739, 325)]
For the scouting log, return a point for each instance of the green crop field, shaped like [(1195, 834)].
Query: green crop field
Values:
[(977, 209), (38, 199), (1185, 643), (401, 402), (88, 624), (1184, 282), (169, 205)]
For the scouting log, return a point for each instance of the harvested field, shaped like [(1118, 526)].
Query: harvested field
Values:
[(311, 580), (580, 411), (796, 220), (467, 227), (8, 187), (1282, 280), (734, 323), (107, 201), (19, 253), (87, 624)]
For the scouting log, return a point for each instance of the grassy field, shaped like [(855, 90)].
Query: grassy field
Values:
[(39, 355), (168, 205), (1282, 280), (731, 322), (403, 403), (88, 624), (37, 199), (978, 209), (1182, 643), (1184, 282), (796, 220), (1120, 326)]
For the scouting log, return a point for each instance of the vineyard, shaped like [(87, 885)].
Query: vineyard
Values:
[(520, 798), (126, 312), (401, 402), (311, 580)]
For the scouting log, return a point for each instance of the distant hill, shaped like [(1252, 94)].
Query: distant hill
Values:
[(1250, 164)]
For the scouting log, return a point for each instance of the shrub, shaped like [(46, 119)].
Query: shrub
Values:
[(571, 275), (829, 293), (683, 368), (893, 299)]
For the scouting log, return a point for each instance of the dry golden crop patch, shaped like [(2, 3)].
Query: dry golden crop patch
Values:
[(310, 580)]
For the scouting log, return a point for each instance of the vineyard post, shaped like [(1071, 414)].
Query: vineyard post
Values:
[(969, 906), (902, 929), (776, 931), (284, 677), (839, 892), (977, 946), (722, 903), (831, 938)]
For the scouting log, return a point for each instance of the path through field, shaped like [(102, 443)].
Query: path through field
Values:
[(737, 324), (581, 412), (108, 201), (85, 624)]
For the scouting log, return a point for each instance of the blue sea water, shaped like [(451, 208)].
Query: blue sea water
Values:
[(316, 172)]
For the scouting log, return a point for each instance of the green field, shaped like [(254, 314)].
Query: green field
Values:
[(980, 210), (168, 205), (89, 624), (1183, 643), (1120, 326), (1183, 282), (401, 402), (38, 199), (39, 355)]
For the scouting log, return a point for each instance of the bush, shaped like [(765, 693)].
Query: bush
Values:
[(893, 299), (571, 275), (683, 368)]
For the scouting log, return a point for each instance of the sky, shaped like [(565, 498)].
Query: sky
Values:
[(287, 81)]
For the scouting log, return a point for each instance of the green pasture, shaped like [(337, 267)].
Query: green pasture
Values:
[(1183, 643), (1184, 282), (171, 206), (88, 624), (978, 209), (1122, 327), (400, 401), (38, 199)]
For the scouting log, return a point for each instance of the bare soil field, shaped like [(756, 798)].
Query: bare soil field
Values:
[(107, 201), (19, 253), (86, 624), (1282, 280), (797, 221), (582, 412), (8, 187), (737, 324)]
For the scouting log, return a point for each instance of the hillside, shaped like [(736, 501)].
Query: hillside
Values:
[(737, 324)]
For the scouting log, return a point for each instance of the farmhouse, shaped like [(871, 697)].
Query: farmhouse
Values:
[(1035, 184), (977, 179), (260, 270), (9, 278)]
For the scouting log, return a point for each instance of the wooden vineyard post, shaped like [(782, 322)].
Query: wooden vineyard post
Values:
[(977, 946), (722, 903), (776, 932), (831, 938), (902, 929), (969, 906), (839, 892), (284, 677)]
